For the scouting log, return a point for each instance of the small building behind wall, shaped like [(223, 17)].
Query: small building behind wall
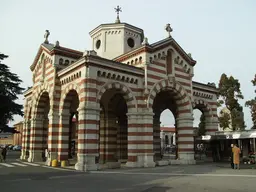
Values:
[(220, 143)]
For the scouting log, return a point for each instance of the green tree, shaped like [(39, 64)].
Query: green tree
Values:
[(201, 126), (224, 120), (9, 91), (229, 94), (252, 105)]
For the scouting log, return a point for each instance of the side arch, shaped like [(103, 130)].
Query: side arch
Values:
[(128, 94), (181, 96), (203, 106), (37, 95), (66, 91)]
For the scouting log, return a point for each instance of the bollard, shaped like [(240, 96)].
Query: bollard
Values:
[(63, 163), (54, 163)]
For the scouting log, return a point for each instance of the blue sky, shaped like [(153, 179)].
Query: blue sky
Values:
[(219, 34)]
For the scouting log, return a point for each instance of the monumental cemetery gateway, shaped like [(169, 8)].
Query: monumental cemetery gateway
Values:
[(103, 106)]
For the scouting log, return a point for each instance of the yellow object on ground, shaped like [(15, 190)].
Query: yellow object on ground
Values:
[(63, 164), (54, 163)]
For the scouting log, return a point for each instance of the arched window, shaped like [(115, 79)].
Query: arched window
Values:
[(66, 62), (60, 61)]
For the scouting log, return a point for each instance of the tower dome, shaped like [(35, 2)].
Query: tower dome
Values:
[(114, 39)]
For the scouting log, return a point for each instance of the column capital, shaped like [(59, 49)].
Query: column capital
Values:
[(25, 121), (185, 118), (52, 114), (37, 118), (88, 108), (64, 115), (140, 114)]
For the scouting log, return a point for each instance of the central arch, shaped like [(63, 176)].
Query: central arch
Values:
[(180, 95), (169, 94), (127, 93), (115, 100)]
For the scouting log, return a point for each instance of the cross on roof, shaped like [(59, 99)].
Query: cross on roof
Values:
[(118, 9)]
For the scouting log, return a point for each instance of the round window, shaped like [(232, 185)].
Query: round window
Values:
[(98, 42), (130, 42)]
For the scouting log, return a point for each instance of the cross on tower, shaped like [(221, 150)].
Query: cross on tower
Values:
[(118, 9), (168, 29)]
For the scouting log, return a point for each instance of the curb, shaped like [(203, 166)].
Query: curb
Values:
[(46, 166)]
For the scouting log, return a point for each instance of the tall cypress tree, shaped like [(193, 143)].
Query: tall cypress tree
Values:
[(252, 104), (9, 91), (230, 93)]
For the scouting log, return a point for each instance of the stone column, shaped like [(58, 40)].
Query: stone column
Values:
[(111, 139), (157, 139), (140, 140), (88, 138), (102, 130), (63, 137), (123, 139), (53, 134), (185, 140), (25, 138), (36, 138)]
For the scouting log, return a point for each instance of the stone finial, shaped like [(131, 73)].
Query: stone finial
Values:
[(190, 55), (89, 52), (145, 41), (118, 9), (46, 35), (57, 44), (211, 84), (168, 29)]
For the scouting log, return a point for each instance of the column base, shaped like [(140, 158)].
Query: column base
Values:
[(23, 155), (142, 161), (86, 163), (86, 167), (184, 159), (35, 156), (162, 163), (182, 162), (51, 156), (132, 164)]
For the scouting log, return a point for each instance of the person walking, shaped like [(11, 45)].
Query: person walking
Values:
[(236, 156), (232, 157)]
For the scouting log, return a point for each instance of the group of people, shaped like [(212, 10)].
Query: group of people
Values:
[(3, 153), (235, 156)]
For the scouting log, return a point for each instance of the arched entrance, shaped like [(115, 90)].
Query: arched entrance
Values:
[(168, 143), (170, 94), (204, 149), (69, 128), (164, 100), (39, 129), (113, 128)]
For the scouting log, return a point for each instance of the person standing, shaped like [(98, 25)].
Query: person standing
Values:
[(232, 157), (4, 153), (1, 154), (236, 156)]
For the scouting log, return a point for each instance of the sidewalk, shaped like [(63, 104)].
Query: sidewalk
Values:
[(44, 165), (201, 165)]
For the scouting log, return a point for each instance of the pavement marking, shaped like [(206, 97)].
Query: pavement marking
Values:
[(32, 164), (15, 180), (66, 176), (174, 174), (6, 165), (19, 164), (57, 168)]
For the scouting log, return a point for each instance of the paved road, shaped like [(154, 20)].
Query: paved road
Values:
[(200, 178)]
